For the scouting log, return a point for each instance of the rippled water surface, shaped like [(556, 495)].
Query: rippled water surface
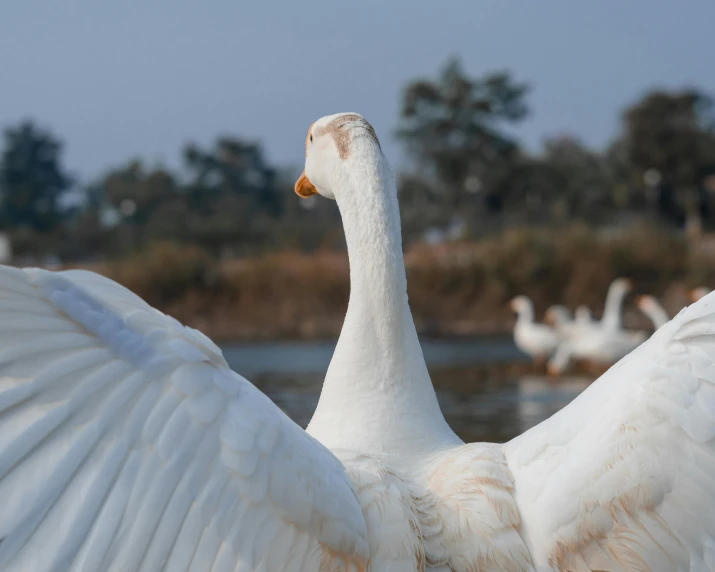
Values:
[(484, 386)]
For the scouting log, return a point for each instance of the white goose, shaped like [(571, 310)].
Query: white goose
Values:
[(582, 316), (566, 327), (650, 306), (699, 292), (537, 340), (127, 444), (603, 342), (612, 309)]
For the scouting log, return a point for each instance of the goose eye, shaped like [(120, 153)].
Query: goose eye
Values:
[(311, 137)]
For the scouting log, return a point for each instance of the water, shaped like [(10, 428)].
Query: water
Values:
[(486, 388)]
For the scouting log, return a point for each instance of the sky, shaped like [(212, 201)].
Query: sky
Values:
[(135, 78)]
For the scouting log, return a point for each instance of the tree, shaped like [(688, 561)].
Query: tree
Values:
[(137, 192), (669, 136), (581, 180), (566, 180), (233, 193), (233, 167), (420, 207), (454, 129), (32, 179)]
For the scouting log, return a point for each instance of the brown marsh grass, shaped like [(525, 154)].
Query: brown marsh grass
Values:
[(457, 288)]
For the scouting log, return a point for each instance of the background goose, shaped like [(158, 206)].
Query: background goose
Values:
[(582, 315), (699, 292), (537, 340), (566, 326), (653, 309), (126, 443), (612, 310), (600, 342)]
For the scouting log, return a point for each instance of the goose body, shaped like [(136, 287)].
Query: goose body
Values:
[(126, 443), (537, 340), (598, 346), (582, 316)]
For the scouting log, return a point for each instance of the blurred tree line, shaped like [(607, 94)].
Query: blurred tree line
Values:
[(471, 174), (467, 176)]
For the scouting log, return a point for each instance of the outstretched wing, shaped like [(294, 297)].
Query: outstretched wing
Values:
[(126, 443), (624, 477)]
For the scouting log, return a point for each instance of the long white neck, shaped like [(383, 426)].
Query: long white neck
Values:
[(612, 310), (377, 394), (525, 315), (655, 312)]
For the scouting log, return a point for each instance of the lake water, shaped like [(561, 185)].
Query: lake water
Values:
[(486, 388)]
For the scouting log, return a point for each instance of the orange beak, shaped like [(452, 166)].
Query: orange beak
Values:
[(303, 187)]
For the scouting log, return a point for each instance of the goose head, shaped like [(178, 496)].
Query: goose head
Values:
[(557, 315), (696, 293), (520, 304), (647, 303), (333, 145), (622, 285)]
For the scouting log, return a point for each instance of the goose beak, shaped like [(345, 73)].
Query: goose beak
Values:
[(303, 187)]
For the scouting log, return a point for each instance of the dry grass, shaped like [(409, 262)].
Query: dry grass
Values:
[(456, 288)]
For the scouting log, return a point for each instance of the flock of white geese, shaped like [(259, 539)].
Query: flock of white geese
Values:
[(599, 342), (126, 442)]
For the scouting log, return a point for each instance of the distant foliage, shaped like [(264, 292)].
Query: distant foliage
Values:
[(32, 179), (671, 136), (454, 129), (566, 181), (467, 167)]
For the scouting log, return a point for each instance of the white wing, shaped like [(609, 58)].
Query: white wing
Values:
[(127, 444), (624, 477)]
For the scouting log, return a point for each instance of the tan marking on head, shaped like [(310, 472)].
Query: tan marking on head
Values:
[(337, 129)]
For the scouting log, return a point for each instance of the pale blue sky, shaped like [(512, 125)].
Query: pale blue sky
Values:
[(117, 79)]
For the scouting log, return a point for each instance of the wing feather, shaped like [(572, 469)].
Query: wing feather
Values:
[(126, 443)]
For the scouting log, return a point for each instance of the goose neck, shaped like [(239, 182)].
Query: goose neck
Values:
[(612, 308), (377, 377)]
